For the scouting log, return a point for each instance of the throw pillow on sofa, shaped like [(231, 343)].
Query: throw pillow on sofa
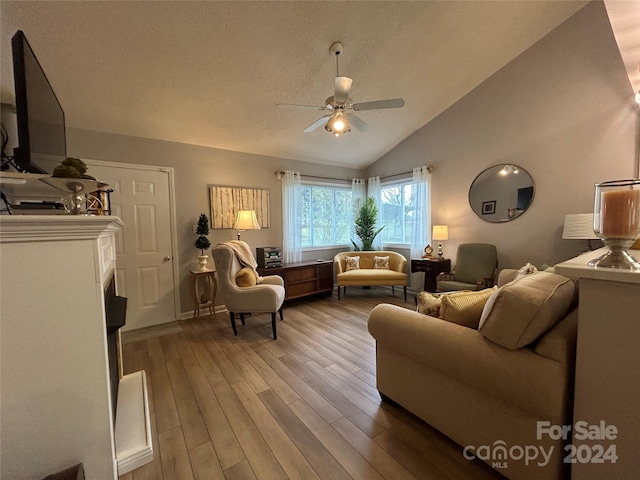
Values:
[(521, 311), (465, 307), (352, 263), (381, 263), (246, 277), (528, 269), (429, 303)]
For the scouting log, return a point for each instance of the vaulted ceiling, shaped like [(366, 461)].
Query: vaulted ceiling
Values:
[(211, 73)]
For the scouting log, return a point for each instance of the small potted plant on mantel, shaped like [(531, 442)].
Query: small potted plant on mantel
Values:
[(202, 242)]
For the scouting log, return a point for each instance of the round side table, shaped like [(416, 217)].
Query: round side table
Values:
[(211, 286)]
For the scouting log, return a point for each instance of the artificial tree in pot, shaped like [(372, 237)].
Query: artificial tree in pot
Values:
[(366, 218), (202, 242)]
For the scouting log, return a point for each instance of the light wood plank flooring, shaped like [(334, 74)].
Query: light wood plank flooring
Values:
[(303, 406)]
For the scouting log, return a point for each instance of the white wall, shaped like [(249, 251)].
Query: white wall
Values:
[(563, 110)]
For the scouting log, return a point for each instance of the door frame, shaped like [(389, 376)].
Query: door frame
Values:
[(172, 218)]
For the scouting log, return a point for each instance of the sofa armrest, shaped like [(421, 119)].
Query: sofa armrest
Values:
[(444, 276), (506, 275), (522, 377)]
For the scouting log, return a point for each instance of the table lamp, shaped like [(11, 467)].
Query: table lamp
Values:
[(579, 226), (246, 220), (440, 232)]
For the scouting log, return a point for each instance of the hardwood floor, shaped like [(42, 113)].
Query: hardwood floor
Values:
[(303, 406)]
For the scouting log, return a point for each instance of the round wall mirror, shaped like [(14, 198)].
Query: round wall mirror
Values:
[(501, 193)]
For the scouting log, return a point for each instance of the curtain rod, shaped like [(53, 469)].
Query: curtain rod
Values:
[(280, 173), (430, 168)]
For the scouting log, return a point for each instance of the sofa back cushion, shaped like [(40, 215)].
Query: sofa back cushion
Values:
[(521, 311)]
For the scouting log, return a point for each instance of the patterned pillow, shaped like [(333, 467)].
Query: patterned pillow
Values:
[(429, 303), (353, 263), (381, 262), (528, 269)]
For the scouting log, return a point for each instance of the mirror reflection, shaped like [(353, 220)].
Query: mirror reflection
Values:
[(501, 193)]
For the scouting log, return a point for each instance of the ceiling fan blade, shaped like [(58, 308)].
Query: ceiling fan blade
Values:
[(357, 122), (316, 124), (379, 104), (343, 87), (295, 106)]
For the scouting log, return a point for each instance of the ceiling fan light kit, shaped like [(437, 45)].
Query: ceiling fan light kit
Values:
[(340, 104), (337, 124)]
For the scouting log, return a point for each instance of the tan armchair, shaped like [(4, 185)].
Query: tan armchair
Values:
[(476, 268), (266, 297)]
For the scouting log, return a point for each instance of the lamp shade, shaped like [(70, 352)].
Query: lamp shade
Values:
[(440, 232), (246, 220), (578, 226)]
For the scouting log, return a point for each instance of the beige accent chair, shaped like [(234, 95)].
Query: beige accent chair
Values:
[(476, 391), (267, 296), (366, 275), (476, 268)]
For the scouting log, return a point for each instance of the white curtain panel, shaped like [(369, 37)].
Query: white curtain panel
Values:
[(358, 193), (373, 190), (291, 228), (420, 233)]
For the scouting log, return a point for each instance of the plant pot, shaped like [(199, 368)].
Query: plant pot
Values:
[(202, 260)]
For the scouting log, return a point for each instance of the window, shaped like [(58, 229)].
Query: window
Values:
[(325, 215), (398, 204)]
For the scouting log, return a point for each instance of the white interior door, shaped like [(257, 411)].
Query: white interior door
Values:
[(145, 265)]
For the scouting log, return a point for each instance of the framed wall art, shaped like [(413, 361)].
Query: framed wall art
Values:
[(489, 208), (227, 201)]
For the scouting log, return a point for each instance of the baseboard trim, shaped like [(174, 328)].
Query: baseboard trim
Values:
[(145, 333)]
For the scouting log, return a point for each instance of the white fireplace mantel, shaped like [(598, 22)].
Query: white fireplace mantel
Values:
[(55, 399)]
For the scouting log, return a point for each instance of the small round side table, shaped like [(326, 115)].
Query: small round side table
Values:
[(211, 286)]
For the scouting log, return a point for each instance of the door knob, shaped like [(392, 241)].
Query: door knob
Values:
[(167, 258)]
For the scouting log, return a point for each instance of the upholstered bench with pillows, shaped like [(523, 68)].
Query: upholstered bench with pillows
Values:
[(485, 367), (364, 269)]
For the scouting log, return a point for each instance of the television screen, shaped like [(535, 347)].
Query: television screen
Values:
[(525, 195), (40, 118)]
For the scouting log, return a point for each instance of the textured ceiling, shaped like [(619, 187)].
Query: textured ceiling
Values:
[(210, 73)]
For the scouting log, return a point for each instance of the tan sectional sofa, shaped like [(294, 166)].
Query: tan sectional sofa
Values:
[(367, 275), (483, 395)]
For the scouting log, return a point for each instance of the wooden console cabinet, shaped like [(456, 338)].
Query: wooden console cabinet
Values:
[(302, 279)]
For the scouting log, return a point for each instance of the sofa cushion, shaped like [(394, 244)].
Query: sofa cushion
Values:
[(381, 263), (519, 312), (465, 307), (352, 263), (246, 277)]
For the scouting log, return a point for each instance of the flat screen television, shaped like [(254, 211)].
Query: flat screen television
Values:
[(40, 118), (525, 195)]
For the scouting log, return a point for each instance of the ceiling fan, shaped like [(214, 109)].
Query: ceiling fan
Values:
[(340, 105)]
